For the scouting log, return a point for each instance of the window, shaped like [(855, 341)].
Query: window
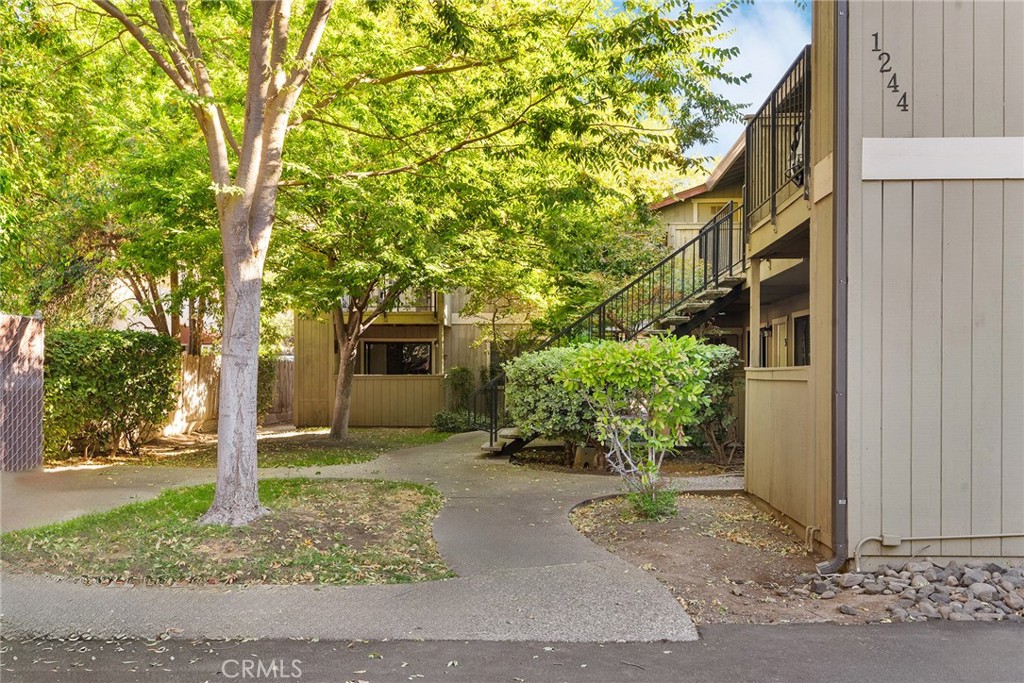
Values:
[(802, 340), (398, 358)]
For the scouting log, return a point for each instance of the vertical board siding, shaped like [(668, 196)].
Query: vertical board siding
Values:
[(1013, 289), (957, 296), (778, 440), (1012, 473), (986, 364), (936, 323), (897, 291), (926, 379), (377, 400)]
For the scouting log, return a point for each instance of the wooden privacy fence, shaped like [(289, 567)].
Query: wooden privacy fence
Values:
[(199, 393), (199, 383), (281, 407)]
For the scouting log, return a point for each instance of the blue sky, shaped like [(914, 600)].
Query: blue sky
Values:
[(770, 34)]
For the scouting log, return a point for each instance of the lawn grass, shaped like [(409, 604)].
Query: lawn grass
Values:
[(318, 532), (301, 448)]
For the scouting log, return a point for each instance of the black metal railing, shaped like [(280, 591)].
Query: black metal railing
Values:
[(778, 142), (715, 258)]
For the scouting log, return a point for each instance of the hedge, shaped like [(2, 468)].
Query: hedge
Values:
[(105, 388), (540, 404)]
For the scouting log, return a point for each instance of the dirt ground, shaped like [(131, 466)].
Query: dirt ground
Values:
[(687, 464), (724, 560)]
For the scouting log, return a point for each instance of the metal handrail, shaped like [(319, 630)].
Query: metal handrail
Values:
[(719, 250), (771, 170)]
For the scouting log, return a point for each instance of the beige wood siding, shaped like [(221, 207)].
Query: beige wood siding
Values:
[(779, 435), (936, 322), (377, 400)]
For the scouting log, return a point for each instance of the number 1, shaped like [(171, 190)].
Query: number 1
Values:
[(876, 48)]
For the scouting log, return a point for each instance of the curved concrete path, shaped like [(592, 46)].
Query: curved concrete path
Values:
[(524, 571)]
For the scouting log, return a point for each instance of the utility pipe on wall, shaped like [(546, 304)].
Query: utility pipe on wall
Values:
[(888, 540)]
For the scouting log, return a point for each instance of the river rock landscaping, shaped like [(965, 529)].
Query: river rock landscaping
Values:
[(923, 590)]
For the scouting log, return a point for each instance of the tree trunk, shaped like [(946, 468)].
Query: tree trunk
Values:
[(348, 340), (236, 501)]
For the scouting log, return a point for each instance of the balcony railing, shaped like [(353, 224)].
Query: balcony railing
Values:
[(778, 144), (415, 302)]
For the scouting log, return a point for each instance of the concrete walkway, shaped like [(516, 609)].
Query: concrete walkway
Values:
[(524, 571)]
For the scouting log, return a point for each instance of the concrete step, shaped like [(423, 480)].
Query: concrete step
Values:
[(674, 320), (694, 305), (496, 448), (731, 281), (714, 293), (508, 433)]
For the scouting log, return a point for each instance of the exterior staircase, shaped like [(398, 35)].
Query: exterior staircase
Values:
[(683, 291)]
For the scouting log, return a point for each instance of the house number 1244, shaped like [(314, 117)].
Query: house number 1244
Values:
[(884, 68)]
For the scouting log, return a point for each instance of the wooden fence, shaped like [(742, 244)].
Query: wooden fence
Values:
[(281, 407), (199, 385), (198, 396)]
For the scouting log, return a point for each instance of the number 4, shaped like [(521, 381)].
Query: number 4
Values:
[(893, 85), (902, 103)]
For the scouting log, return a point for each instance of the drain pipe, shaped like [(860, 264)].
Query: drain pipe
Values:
[(840, 199), (888, 540)]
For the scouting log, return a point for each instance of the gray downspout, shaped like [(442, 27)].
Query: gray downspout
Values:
[(840, 199)]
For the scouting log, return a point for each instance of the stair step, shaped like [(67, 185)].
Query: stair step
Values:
[(496, 448), (694, 305), (508, 433), (673, 320), (714, 293), (731, 280)]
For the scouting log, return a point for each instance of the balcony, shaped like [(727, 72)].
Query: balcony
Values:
[(778, 139)]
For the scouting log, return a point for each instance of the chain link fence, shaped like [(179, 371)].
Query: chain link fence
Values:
[(21, 393)]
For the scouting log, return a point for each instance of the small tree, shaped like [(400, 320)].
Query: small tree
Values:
[(643, 394), (716, 416)]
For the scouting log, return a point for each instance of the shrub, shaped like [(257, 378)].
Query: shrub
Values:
[(539, 404), (715, 418), (266, 378), (459, 384), (452, 421), (659, 506), (643, 394), (103, 387)]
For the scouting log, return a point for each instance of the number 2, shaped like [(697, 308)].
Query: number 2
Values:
[(884, 58)]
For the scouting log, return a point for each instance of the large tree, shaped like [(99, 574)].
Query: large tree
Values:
[(408, 83)]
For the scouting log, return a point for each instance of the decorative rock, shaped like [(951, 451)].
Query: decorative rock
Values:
[(802, 592), (1014, 602), (960, 616), (972, 576), (919, 582), (847, 610), (828, 595), (819, 587), (983, 591), (872, 588), (973, 605), (952, 580), (918, 567), (851, 580), (736, 591), (925, 591), (939, 598)]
